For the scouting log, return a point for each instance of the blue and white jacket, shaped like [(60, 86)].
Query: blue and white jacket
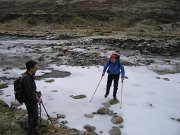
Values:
[(116, 68)]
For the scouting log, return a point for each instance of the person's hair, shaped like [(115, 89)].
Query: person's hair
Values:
[(30, 64)]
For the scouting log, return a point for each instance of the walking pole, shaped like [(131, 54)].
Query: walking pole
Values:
[(121, 94), (40, 112), (96, 88), (48, 116)]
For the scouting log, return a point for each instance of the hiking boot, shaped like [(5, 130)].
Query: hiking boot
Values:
[(105, 96), (37, 132), (114, 98)]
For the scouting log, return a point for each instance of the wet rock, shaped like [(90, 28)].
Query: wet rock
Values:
[(63, 126), (106, 104), (54, 74), (115, 131), (50, 81), (79, 96), (178, 119), (103, 110), (89, 128), (61, 116), (101, 132), (117, 119), (64, 122), (112, 101), (166, 79), (111, 113), (94, 113), (54, 90), (1, 92), (89, 115)]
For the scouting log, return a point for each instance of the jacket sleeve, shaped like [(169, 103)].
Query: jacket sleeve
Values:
[(105, 66), (29, 94), (122, 70)]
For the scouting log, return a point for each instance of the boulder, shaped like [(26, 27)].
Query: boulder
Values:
[(103, 110), (117, 119)]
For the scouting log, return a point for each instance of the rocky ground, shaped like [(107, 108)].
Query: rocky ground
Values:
[(74, 52)]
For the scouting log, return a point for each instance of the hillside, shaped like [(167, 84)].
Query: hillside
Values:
[(76, 18)]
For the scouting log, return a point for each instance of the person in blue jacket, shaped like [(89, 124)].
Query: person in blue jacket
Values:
[(115, 68)]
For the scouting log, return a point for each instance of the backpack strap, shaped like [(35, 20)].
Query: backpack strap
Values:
[(23, 76), (118, 61), (119, 64)]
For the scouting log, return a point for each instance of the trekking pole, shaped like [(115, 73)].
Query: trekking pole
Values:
[(96, 88), (40, 112), (48, 116), (121, 94)]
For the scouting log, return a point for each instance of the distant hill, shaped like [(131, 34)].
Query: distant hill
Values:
[(90, 17)]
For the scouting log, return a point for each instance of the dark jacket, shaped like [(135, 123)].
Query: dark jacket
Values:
[(29, 88), (115, 68)]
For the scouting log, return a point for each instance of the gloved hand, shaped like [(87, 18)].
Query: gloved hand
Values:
[(103, 74), (122, 79), (39, 100)]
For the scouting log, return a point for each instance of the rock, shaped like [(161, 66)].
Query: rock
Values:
[(101, 132), (63, 126), (89, 128), (178, 120), (117, 119), (64, 122), (106, 104), (89, 115), (54, 90), (79, 96), (112, 101), (94, 113), (103, 110), (115, 131), (111, 113), (50, 81), (15, 105), (54, 118), (61, 116), (166, 79), (1, 92)]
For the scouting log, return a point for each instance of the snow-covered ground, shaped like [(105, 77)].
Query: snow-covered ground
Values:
[(149, 103)]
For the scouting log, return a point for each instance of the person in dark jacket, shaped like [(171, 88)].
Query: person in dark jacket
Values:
[(31, 99), (115, 68)]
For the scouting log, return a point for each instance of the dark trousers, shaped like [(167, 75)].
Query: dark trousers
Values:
[(112, 77), (32, 109)]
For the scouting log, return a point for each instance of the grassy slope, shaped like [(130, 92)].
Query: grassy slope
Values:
[(86, 18)]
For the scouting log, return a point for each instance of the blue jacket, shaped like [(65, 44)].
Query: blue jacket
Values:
[(115, 68)]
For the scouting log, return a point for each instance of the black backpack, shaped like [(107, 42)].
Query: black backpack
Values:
[(18, 90)]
